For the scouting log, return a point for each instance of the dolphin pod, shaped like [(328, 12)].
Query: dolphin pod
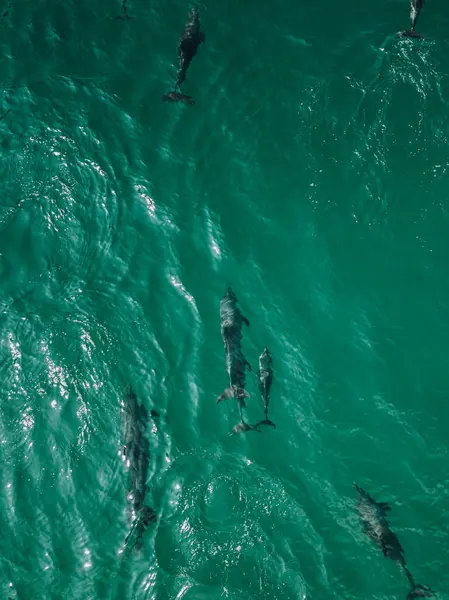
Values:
[(231, 320), (193, 37), (373, 516)]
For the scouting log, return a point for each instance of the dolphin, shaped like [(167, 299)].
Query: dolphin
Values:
[(191, 38), (265, 376), (374, 520), (415, 10), (232, 320), (136, 451)]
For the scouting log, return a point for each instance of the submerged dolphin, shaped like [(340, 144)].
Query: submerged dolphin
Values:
[(232, 320), (136, 450), (188, 44), (265, 376), (415, 10), (374, 520)]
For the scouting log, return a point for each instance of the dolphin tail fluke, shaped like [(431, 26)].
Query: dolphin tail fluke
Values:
[(411, 33), (146, 516), (228, 393), (419, 591), (266, 422), (175, 96), (242, 426)]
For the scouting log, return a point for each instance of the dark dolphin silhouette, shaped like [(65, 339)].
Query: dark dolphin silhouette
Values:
[(373, 516), (189, 42), (232, 320), (136, 451), (265, 377)]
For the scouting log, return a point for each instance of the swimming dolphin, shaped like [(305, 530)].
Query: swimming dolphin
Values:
[(136, 450), (374, 520), (188, 44), (415, 10), (265, 376), (231, 320), (178, 97)]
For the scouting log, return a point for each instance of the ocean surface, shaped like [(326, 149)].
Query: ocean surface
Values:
[(312, 176)]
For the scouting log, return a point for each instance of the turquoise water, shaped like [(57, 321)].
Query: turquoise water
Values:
[(311, 175)]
